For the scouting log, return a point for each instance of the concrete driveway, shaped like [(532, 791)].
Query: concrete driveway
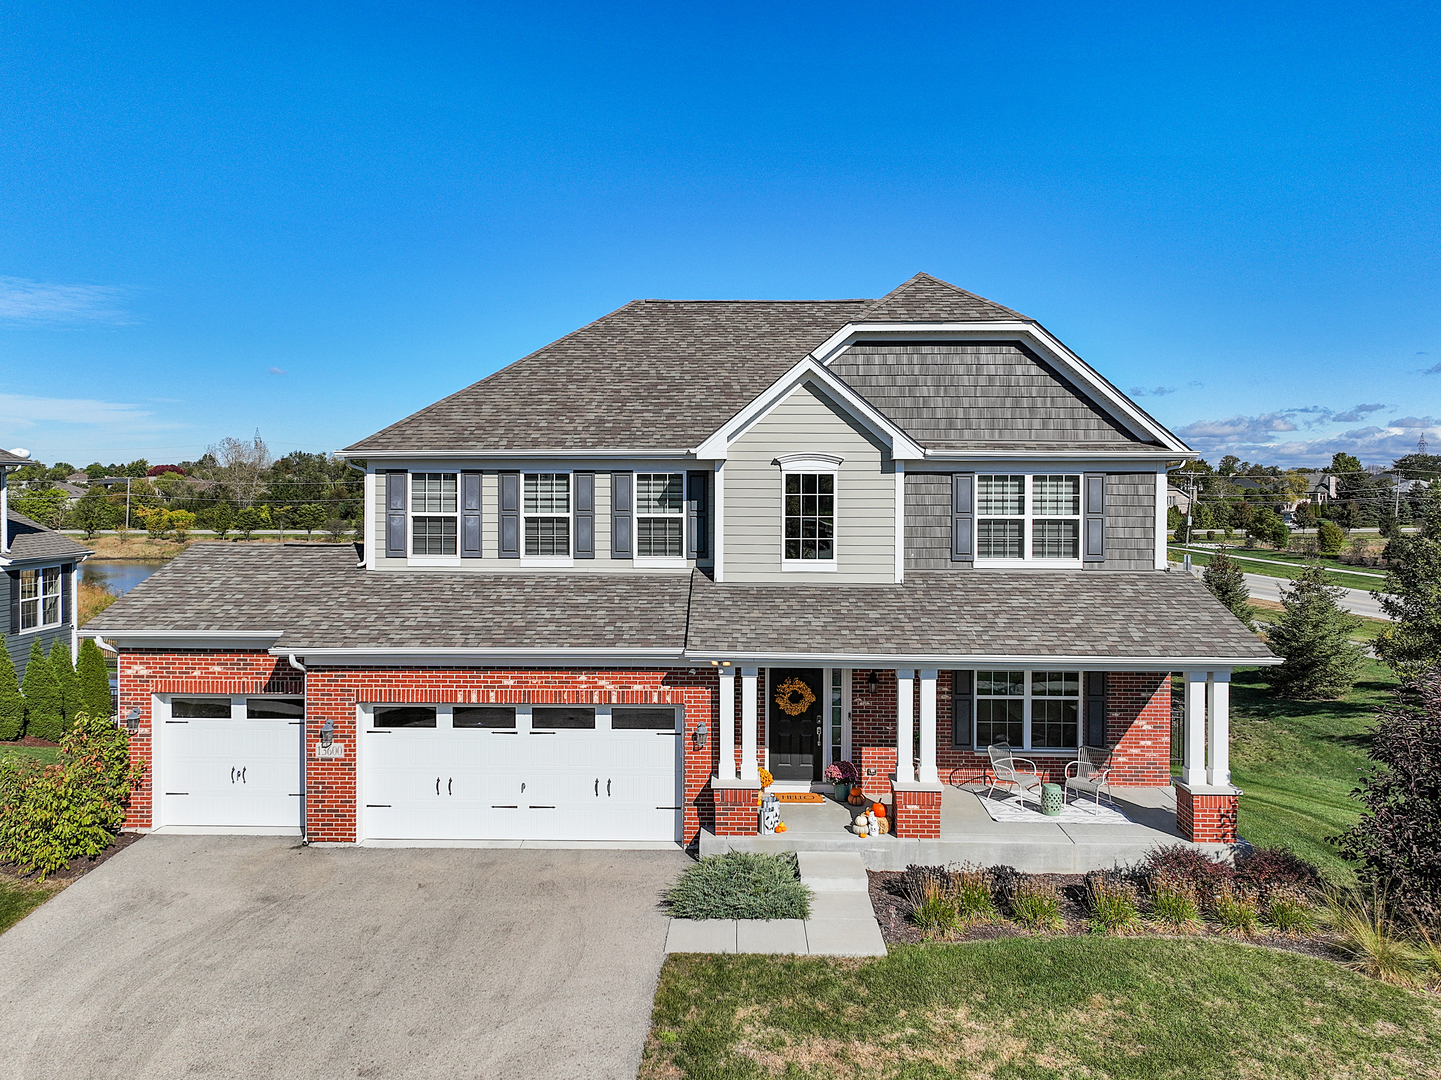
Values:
[(253, 957)]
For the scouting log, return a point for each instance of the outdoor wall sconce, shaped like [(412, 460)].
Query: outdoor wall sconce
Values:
[(873, 684), (327, 733), (132, 719), (701, 731)]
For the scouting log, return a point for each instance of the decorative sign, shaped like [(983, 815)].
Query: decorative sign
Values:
[(786, 696), (331, 752)]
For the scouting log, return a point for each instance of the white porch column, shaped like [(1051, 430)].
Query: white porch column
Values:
[(928, 773), (905, 707), (750, 768), (726, 736), (1218, 731), (1193, 765)]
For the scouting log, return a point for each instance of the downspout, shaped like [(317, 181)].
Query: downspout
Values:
[(304, 736), (4, 512), (367, 494)]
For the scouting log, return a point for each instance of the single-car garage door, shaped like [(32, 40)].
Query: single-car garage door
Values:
[(230, 763), (466, 772)]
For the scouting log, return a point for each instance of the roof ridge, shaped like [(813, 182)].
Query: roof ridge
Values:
[(921, 277)]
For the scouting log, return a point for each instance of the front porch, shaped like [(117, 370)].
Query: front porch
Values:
[(969, 835)]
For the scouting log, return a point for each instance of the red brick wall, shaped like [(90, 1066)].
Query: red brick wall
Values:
[(1206, 819), (918, 814), (735, 812), (1138, 725)]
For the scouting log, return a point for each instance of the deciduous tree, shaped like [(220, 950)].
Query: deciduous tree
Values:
[(93, 512), (1330, 539)]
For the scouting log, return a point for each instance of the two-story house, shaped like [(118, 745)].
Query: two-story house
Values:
[(41, 568), (600, 589)]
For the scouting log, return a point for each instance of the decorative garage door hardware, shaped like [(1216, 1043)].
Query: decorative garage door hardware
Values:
[(234, 774)]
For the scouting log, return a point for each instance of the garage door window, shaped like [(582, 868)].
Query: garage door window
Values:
[(642, 719), (275, 709), (200, 708), (490, 716), (404, 716), (548, 718)]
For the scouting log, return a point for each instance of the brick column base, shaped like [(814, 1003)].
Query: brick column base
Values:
[(1207, 816), (878, 765), (736, 813), (917, 809)]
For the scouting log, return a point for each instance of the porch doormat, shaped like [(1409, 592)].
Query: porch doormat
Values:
[(799, 796), (1009, 808)]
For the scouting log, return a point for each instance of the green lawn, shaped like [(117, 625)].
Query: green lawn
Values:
[(46, 755), (1268, 612), (1297, 762), (1333, 577), (18, 900), (1143, 1008)]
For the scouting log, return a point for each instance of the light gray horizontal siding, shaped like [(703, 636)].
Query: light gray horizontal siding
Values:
[(946, 392), (865, 495)]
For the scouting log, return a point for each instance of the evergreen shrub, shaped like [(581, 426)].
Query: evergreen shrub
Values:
[(44, 707)]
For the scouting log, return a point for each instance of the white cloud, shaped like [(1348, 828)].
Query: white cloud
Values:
[(1413, 422), (39, 303), (1358, 412), (276, 371), (1237, 429), (1158, 391), (21, 410)]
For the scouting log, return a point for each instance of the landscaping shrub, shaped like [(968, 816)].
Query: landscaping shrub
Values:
[(1036, 905), (93, 680), (933, 906), (12, 705), (972, 885), (44, 709), (1111, 903), (64, 671), (1187, 865), (1330, 539), (1313, 635), (1237, 909), (1173, 902), (1368, 939), (50, 814), (1289, 911), (741, 885), (1268, 869), (964, 890)]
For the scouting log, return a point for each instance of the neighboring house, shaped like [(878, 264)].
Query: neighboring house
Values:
[(40, 578), (600, 589), (1181, 500)]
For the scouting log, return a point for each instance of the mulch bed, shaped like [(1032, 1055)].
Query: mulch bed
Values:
[(893, 914), (28, 740), (76, 868)]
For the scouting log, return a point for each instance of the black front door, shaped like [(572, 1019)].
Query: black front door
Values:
[(796, 711)]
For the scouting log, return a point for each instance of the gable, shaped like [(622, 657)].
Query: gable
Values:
[(952, 395), (927, 299)]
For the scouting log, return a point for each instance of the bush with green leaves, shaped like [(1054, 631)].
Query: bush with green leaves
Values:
[(1289, 911), (309, 517), (44, 706), (1329, 538), (64, 672), (93, 680), (741, 885), (51, 814), (251, 518), (1228, 584), (12, 705), (1313, 635)]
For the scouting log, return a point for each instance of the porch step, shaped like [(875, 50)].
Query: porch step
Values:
[(833, 871)]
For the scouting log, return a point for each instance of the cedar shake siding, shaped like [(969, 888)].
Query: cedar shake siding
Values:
[(972, 395), (1130, 522), (807, 422)]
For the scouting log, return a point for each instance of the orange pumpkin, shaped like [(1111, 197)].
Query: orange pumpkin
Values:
[(879, 809), (781, 827)]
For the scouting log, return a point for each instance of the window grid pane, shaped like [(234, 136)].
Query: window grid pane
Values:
[(1055, 496), (660, 493), (659, 537), (1000, 720), (1000, 539), (1053, 723), (432, 493), (547, 493), (836, 700), (1000, 495), (433, 536), (547, 536), (810, 516), (1056, 539)]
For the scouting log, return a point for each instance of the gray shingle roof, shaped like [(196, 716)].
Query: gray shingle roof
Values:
[(7, 458), (927, 299), (320, 600), (653, 375), (1133, 615), (31, 540)]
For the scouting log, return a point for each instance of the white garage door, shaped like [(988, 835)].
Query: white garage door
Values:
[(521, 773), (230, 763)]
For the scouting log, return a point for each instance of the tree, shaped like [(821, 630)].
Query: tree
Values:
[(249, 519), (1330, 538), (1305, 515), (1343, 464), (155, 520), (241, 467), (1412, 595), (47, 506), (1398, 839), (1267, 525), (12, 705), (181, 522), (1228, 585), (92, 679), (93, 512), (44, 710), (1313, 634), (222, 519), (95, 471), (64, 671), (310, 518)]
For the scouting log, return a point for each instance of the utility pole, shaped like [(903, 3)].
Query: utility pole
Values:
[(1190, 503), (127, 503)]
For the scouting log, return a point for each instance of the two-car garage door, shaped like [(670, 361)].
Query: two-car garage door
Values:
[(521, 773)]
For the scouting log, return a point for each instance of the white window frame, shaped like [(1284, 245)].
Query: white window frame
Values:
[(37, 602), (665, 562), (567, 559), (816, 465), (1029, 517), (1027, 699), (411, 515)]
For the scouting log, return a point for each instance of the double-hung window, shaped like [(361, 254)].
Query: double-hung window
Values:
[(546, 506), (40, 598), (1030, 710), (433, 517), (1021, 518), (810, 518), (660, 515)]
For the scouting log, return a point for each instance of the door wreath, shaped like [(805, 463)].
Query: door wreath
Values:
[(786, 696)]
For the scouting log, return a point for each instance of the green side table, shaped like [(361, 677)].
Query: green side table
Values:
[(1053, 799)]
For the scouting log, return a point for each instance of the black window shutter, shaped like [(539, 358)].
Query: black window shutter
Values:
[(66, 584), (470, 515), (963, 517), (1095, 493), (621, 516), (585, 515), (962, 707), (395, 496), (510, 515), (695, 515), (1096, 708), (14, 576)]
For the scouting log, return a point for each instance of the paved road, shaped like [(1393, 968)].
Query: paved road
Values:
[(253, 957), (1356, 601)]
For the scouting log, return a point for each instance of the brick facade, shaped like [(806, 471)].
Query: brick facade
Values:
[(917, 814), (1206, 819)]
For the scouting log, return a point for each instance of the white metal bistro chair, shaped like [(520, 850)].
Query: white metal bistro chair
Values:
[(1091, 771), (1006, 771)]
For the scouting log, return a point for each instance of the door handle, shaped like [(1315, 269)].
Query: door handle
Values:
[(607, 789), (242, 775), (437, 785), (597, 787), (448, 786)]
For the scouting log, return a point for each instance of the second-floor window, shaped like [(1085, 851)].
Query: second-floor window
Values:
[(810, 517), (433, 526), (1024, 517), (660, 515), (546, 506), (40, 598)]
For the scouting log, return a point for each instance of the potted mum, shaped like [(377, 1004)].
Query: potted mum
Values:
[(844, 775)]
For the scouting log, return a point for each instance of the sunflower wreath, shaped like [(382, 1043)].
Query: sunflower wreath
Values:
[(786, 697)]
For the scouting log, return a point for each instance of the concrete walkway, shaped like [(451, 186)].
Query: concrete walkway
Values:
[(842, 921)]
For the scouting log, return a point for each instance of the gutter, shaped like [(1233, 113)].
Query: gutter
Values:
[(933, 660)]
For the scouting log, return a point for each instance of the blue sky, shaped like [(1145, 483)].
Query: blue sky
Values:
[(313, 219)]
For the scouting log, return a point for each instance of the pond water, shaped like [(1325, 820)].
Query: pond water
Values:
[(118, 575)]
